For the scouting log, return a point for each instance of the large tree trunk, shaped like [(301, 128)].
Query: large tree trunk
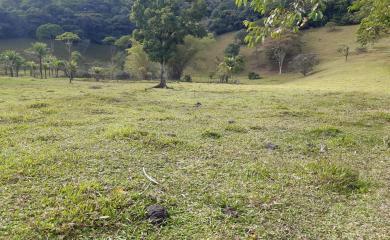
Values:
[(163, 82), (11, 71)]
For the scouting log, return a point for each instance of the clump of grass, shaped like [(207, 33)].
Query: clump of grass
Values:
[(326, 131), (146, 138), (338, 178), (38, 105), (211, 134), (123, 133), (236, 128), (95, 87), (81, 206)]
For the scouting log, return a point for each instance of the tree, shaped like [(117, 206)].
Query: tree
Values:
[(185, 53), (138, 63), (32, 66), (161, 26), (96, 72), (49, 31), (304, 63), (40, 50), (12, 62), (282, 48), (232, 50), (230, 66), (344, 51), (69, 39), (281, 17), (110, 41), (122, 44), (376, 22)]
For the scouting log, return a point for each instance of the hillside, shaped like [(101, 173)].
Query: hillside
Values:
[(332, 67)]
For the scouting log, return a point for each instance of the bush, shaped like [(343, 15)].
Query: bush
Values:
[(253, 76), (122, 75), (187, 78), (304, 63)]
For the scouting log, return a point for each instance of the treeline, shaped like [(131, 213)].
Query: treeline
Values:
[(90, 19), (96, 19)]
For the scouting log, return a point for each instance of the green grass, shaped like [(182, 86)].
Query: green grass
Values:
[(72, 159)]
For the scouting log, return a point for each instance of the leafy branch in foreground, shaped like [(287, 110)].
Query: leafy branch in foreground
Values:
[(376, 24), (280, 17)]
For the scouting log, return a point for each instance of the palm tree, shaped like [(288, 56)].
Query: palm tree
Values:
[(40, 50)]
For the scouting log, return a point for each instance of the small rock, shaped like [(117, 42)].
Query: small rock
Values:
[(198, 104), (271, 146), (323, 148), (231, 212), (157, 214)]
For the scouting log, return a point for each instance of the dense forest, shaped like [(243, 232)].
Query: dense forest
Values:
[(96, 19)]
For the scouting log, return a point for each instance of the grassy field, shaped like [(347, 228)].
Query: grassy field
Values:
[(72, 159)]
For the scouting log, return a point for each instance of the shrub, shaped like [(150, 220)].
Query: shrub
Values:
[(122, 75), (187, 78), (304, 63), (253, 76)]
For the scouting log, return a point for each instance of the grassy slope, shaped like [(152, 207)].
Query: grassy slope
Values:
[(71, 157), (331, 72)]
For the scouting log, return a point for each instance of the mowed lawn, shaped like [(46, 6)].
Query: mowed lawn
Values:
[(271, 161)]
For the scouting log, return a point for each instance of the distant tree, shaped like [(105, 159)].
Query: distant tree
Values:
[(138, 62), (49, 32), (12, 62), (282, 49), (110, 41), (232, 50), (122, 44), (161, 26), (344, 51), (96, 72), (229, 67), (304, 63), (40, 51), (32, 66), (18, 63), (376, 21), (240, 36), (69, 39), (185, 53)]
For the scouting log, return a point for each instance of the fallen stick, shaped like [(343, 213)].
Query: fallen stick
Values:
[(149, 177)]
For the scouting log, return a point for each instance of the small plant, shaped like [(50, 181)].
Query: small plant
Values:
[(236, 128), (253, 76), (211, 134)]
